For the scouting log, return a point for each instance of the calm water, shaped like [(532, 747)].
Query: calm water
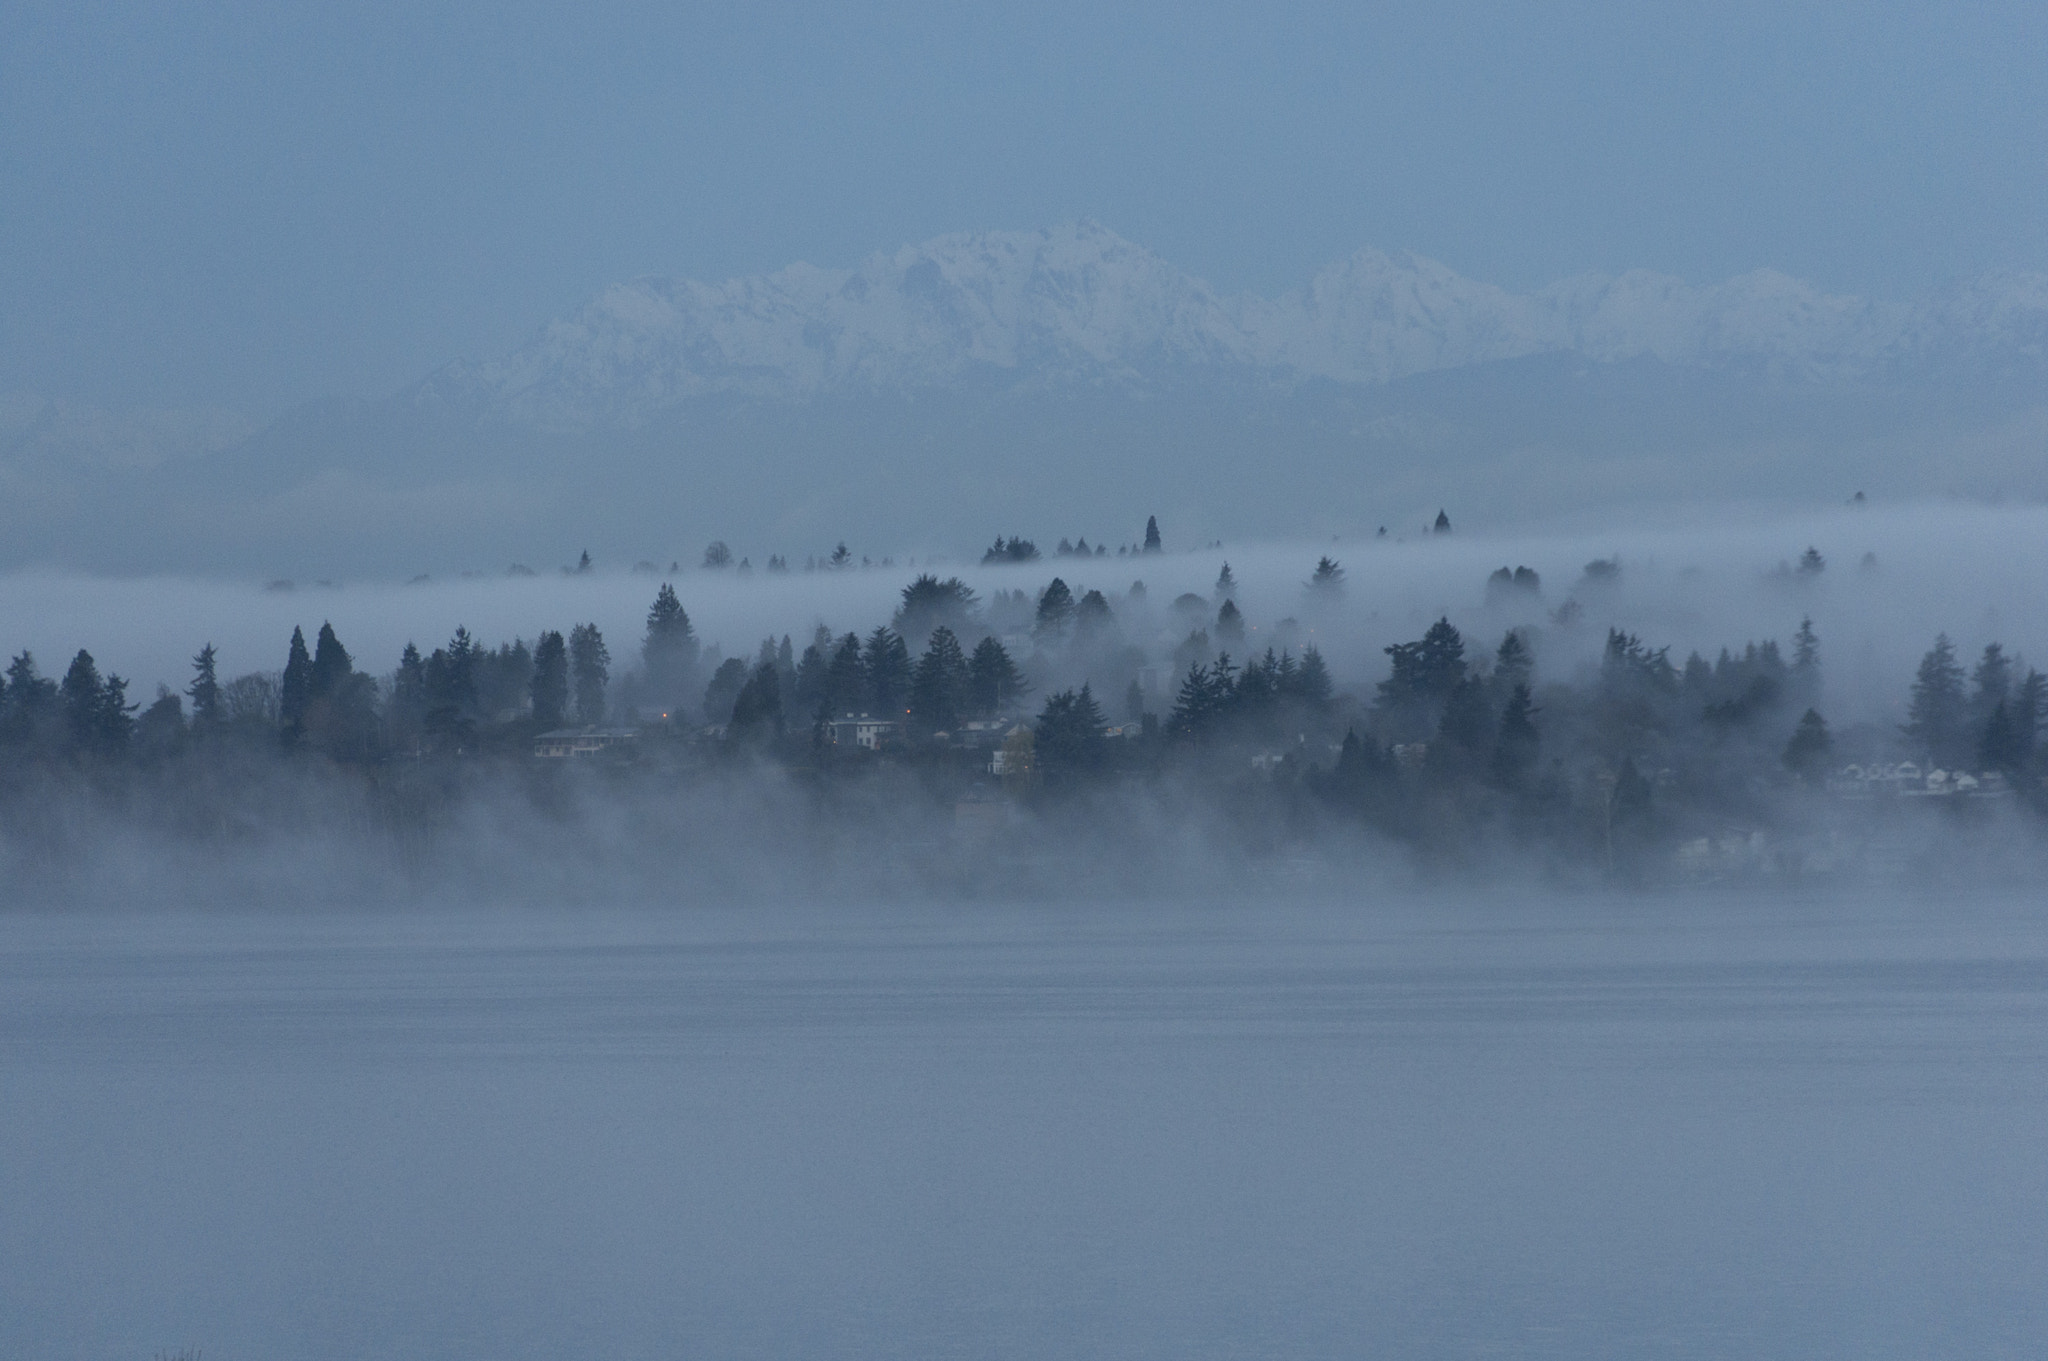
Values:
[(1692, 1127)]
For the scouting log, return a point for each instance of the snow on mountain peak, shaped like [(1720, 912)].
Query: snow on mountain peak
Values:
[(1077, 303)]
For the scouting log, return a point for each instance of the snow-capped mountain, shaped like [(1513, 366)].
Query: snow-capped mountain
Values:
[(1079, 304)]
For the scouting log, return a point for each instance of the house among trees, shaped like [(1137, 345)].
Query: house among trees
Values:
[(567, 743), (864, 731)]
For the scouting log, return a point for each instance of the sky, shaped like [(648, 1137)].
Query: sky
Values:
[(255, 206)]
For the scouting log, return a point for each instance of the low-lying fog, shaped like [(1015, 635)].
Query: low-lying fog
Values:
[(441, 1056), (1893, 579)]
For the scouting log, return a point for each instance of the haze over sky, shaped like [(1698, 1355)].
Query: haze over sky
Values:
[(265, 204)]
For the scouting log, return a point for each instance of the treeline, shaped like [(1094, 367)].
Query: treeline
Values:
[(1066, 694)]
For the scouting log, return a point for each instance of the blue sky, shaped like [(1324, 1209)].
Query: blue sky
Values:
[(266, 204)]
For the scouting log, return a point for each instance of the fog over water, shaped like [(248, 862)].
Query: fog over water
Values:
[(1536, 850), (1969, 570), (720, 1068)]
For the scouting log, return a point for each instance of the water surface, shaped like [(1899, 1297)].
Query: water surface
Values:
[(1688, 1127)]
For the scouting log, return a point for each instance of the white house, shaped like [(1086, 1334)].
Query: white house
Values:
[(564, 743), (865, 731)]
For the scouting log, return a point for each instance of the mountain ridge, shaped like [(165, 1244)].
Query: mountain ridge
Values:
[(1078, 304)]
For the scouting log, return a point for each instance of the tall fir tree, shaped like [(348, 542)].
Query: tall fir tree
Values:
[(846, 677), (1804, 679), (1513, 664), (1229, 624), (82, 695), (114, 718), (886, 659), (939, 684), (548, 690), (669, 651), (590, 670), (994, 682), (2030, 703), (205, 691), (1937, 716), (331, 665), (296, 690), (31, 706), (1055, 611), (757, 709), (1516, 740), (1806, 754), (1312, 684)]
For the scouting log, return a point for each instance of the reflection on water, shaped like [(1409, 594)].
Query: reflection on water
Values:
[(1689, 1127)]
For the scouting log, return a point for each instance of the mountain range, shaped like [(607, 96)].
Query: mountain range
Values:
[(1056, 381), (1079, 305)]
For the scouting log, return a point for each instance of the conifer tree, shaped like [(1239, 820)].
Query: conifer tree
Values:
[(1229, 625), (1805, 675), (1936, 718), (994, 681), (1199, 703), (1515, 740), (757, 709), (723, 690), (939, 685), (812, 692), (886, 660), (669, 651), (31, 706), (2030, 703), (1257, 685), (1467, 723), (1991, 684), (1512, 663), (1152, 544), (846, 677), (113, 720), (928, 602), (296, 691), (1312, 682), (1055, 611), (548, 690), (1327, 581), (1806, 755), (1998, 744), (785, 670), (205, 691), (82, 694), (1068, 742), (1423, 677), (590, 670), (409, 691), (458, 681), (1093, 618), (160, 730), (331, 666), (1365, 779), (1226, 585)]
